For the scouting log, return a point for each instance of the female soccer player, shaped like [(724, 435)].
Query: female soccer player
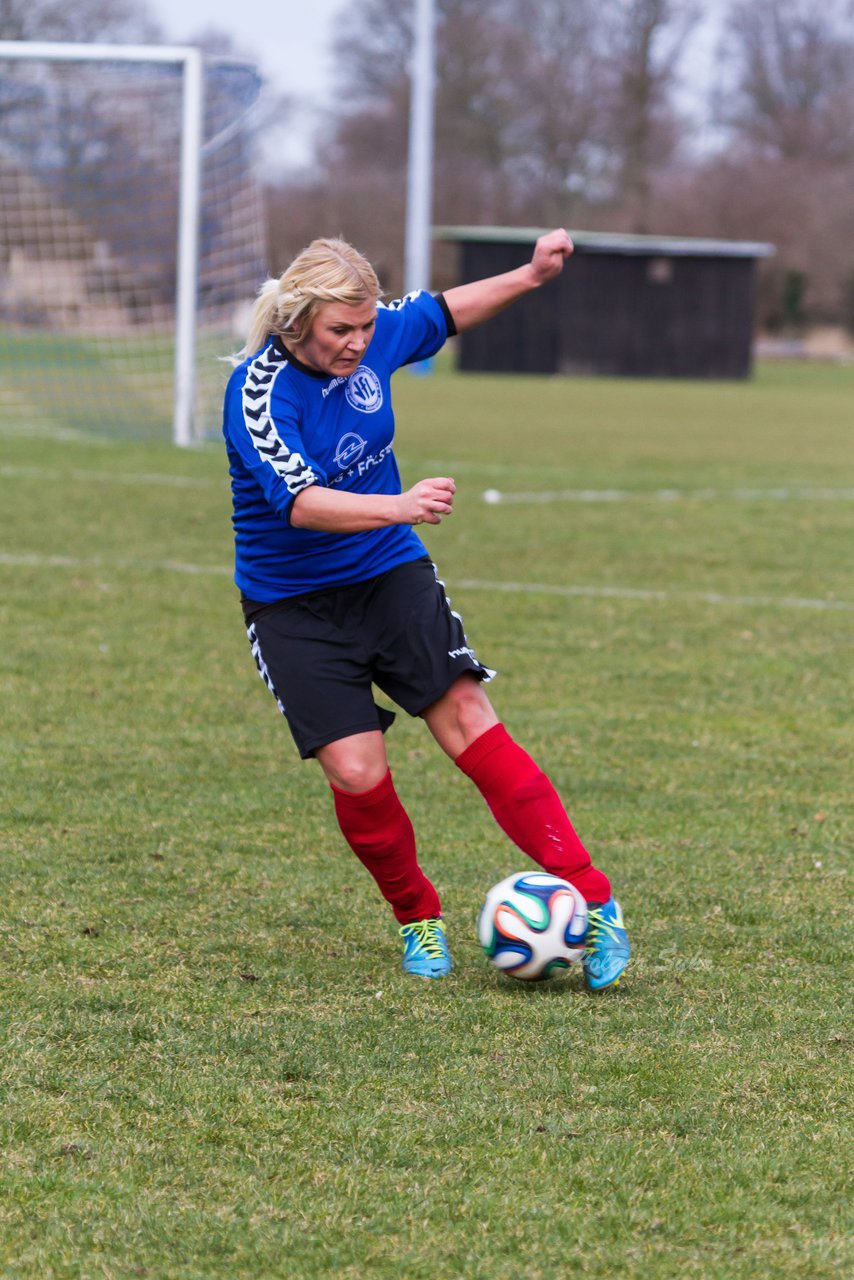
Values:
[(338, 591)]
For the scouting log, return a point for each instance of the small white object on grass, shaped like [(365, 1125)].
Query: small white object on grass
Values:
[(492, 496)]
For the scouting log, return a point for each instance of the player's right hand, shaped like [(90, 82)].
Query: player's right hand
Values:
[(429, 501)]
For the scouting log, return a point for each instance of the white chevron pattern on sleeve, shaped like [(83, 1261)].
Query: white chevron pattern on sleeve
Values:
[(256, 397)]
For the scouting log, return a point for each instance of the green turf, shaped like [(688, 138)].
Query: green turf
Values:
[(61, 386), (212, 1065)]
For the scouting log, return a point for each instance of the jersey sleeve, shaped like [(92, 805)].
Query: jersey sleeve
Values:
[(417, 327), (262, 428)]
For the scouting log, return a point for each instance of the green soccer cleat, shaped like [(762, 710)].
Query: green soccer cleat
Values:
[(606, 945), (425, 951)]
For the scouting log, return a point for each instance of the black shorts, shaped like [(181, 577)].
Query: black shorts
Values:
[(319, 654)]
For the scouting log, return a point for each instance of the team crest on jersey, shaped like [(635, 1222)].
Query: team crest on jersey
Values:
[(349, 449), (363, 390)]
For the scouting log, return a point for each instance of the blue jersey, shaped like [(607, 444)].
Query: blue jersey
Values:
[(288, 427)]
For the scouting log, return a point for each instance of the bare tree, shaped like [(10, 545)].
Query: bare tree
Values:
[(551, 111), (646, 41), (560, 105), (785, 170), (517, 112), (792, 85), (372, 52), (105, 20)]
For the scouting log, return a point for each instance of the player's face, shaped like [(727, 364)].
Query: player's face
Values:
[(339, 337)]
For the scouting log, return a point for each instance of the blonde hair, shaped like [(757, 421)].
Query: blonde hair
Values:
[(325, 271)]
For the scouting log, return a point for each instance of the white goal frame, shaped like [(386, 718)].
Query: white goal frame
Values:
[(191, 61)]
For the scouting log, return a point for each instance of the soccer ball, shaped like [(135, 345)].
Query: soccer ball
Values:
[(532, 925)]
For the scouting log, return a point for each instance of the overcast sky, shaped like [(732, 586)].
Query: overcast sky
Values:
[(289, 39)]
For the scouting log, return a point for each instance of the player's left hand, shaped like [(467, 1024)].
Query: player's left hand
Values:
[(550, 253)]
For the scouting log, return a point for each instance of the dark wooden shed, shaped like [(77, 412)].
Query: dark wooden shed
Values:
[(655, 306)]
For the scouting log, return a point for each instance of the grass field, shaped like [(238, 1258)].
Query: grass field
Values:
[(212, 1065), (59, 386)]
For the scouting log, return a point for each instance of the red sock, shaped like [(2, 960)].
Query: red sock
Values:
[(528, 809), (377, 828)]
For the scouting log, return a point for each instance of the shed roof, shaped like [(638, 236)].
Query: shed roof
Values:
[(616, 242)]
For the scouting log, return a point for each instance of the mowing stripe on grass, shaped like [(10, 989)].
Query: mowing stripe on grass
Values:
[(569, 590), (34, 561), (108, 477), (644, 593), (492, 497), (495, 496), (33, 429)]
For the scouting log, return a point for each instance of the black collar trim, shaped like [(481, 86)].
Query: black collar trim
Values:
[(296, 362)]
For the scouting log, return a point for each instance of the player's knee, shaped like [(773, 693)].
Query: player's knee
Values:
[(352, 770), (474, 711), (357, 776)]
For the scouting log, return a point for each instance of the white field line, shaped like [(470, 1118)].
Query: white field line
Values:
[(643, 593), (46, 430), (107, 477), (104, 564), (494, 497)]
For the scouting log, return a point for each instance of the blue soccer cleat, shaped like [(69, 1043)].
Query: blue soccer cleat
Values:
[(425, 951), (606, 945)]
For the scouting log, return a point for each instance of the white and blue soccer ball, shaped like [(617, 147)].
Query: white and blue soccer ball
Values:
[(532, 925)]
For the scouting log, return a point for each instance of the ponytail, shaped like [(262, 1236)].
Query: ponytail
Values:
[(262, 317)]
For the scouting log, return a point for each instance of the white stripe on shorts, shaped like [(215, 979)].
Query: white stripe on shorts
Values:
[(262, 666)]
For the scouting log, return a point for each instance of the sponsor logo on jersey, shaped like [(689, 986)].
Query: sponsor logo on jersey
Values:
[(363, 390), (349, 449), (336, 382), (364, 464)]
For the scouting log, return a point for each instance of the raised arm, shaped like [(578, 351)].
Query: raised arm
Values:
[(471, 304)]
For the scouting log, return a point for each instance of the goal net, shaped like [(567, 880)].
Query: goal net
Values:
[(131, 237)]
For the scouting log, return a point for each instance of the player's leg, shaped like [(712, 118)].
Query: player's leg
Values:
[(322, 686), (375, 824), (378, 830), (429, 668), (520, 796), (526, 806)]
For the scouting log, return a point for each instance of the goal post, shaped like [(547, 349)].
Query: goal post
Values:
[(130, 234)]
